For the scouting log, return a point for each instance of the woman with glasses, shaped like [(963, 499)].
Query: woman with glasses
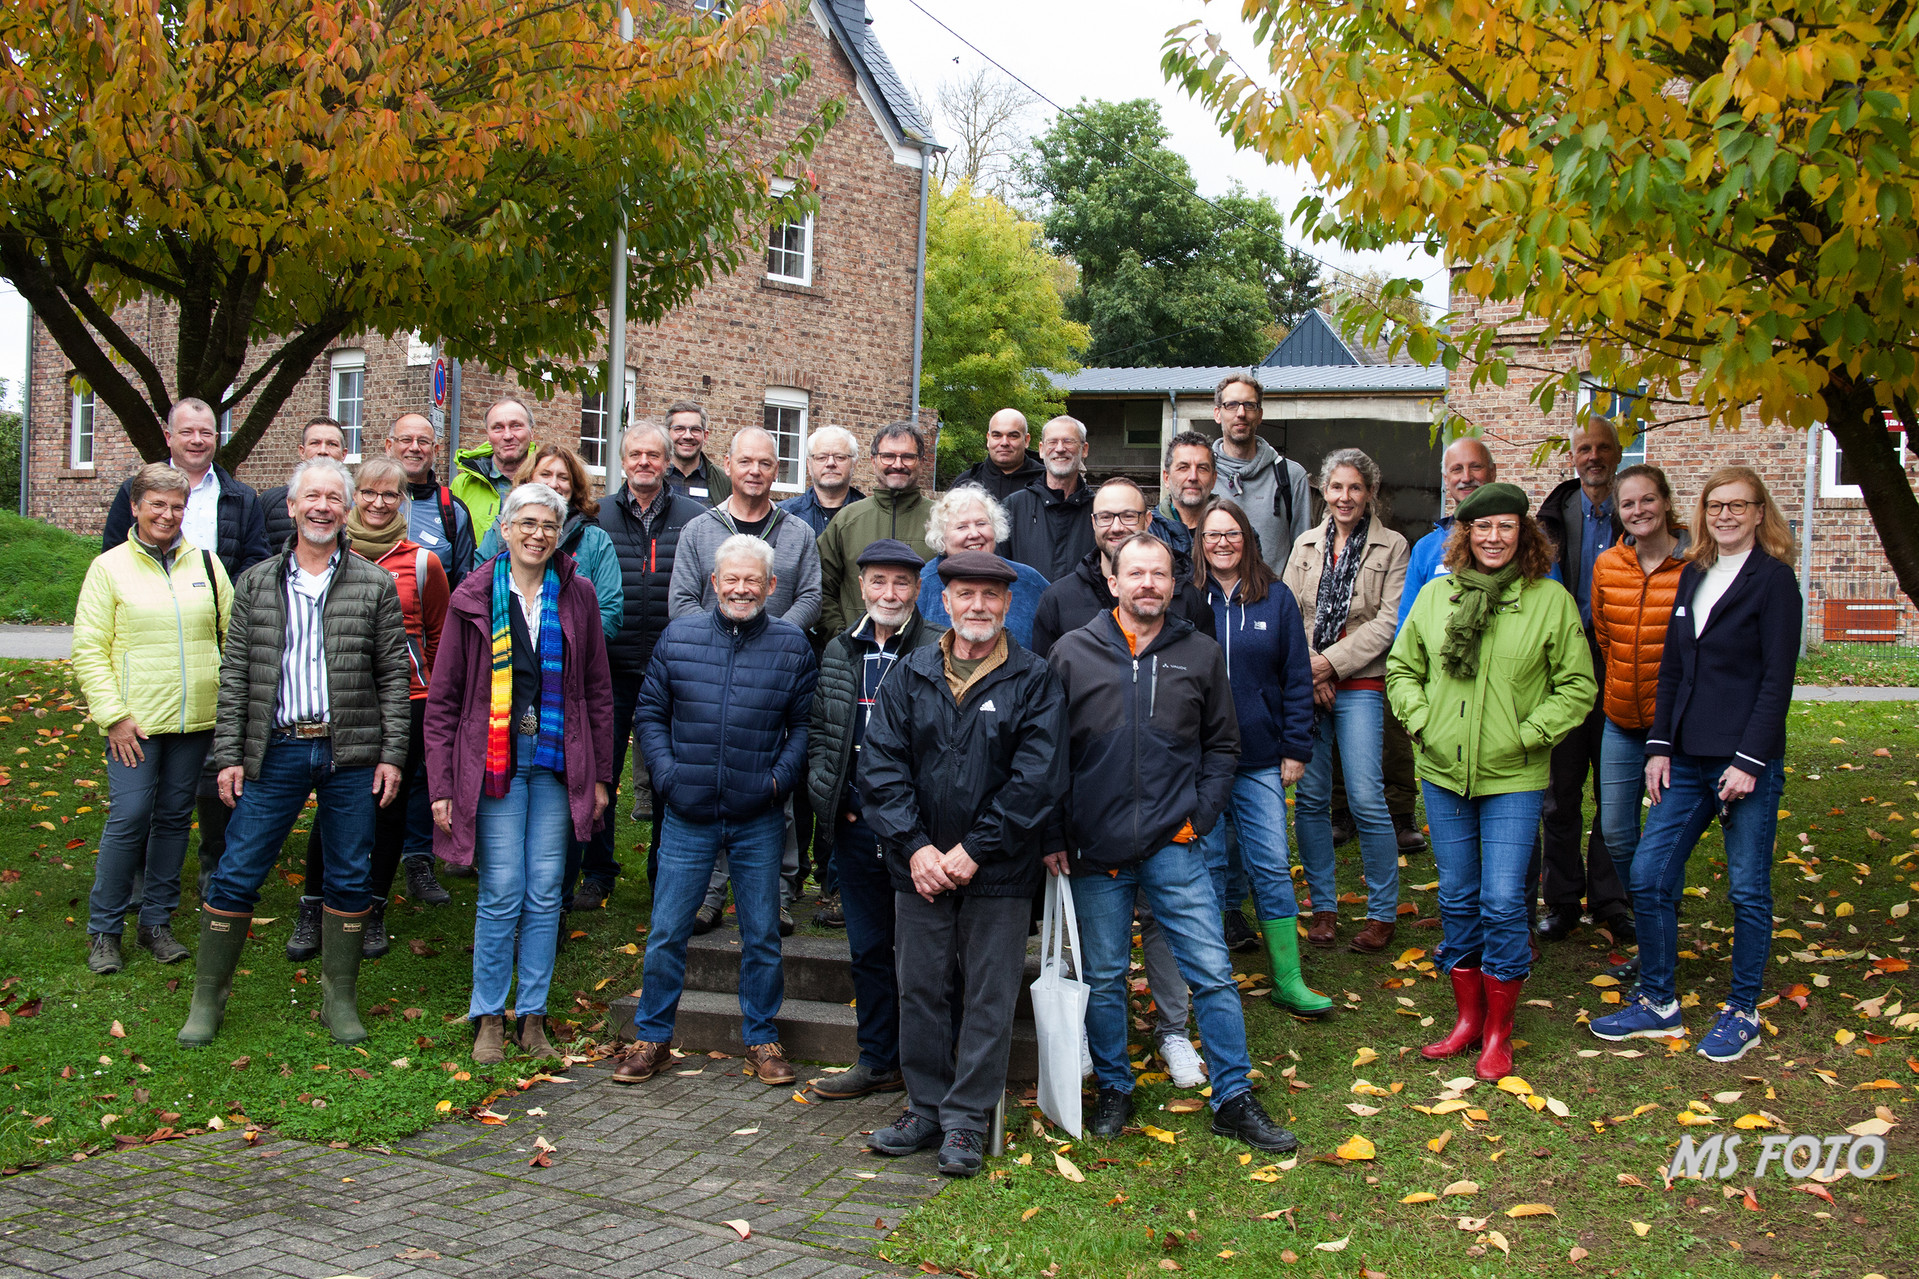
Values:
[(519, 754), (966, 518), (1347, 575), (1717, 749), (1490, 670), (560, 469), (377, 525), (1257, 623)]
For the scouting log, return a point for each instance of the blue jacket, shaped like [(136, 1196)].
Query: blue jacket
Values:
[(722, 715), (1268, 664), (1027, 591), (1727, 692), (593, 557), (807, 507)]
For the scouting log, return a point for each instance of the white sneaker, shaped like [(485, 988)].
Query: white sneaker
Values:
[(1085, 1057), (1182, 1063)]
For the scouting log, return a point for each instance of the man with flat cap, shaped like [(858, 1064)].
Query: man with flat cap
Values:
[(960, 778), (855, 666)]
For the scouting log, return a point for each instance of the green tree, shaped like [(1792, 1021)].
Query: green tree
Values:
[(995, 323), (9, 452), (1715, 199), (1165, 277), (278, 175)]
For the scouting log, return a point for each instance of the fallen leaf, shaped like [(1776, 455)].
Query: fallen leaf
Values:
[(1357, 1147), (1531, 1210), (443, 1106), (1185, 1106), (1874, 1127), (1461, 1188), (1514, 1085), (1815, 1189), (417, 1254), (1577, 1255), (1627, 1179), (1336, 1245), (117, 1031), (1067, 1168), (1419, 1197), (1029, 1214), (1438, 1143), (740, 1228), (1159, 1134), (745, 1132), (1365, 1057), (1640, 1228), (1498, 1241)]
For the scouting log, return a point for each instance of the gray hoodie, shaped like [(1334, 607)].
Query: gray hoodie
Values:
[(796, 567), (1255, 485)]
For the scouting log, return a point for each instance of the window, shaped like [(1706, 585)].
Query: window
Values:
[(786, 423), (1836, 478), (1141, 422), (347, 370), (226, 419), (711, 8), (593, 423), (81, 455), (789, 247)]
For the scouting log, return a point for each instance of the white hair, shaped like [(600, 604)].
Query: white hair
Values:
[(532, 494), (839, 434), (645, 426), (752, 432), (1073, 422), (745, 545), (951, 503), (325, 465)]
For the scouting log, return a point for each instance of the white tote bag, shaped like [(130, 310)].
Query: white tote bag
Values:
[(1059, 1007)]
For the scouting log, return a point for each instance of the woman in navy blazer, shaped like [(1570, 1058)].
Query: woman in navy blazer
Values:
[(1717, 748)]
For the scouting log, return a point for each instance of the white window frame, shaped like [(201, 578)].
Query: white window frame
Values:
[(1829, 451), (784, 186), (347, 360), (82, 417), (790, 397), (225, 420), (598, 400)]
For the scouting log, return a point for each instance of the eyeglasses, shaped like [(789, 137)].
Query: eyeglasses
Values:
[(837, 457), (378, 495), (1229, 537), (1495, 526), (896, 459), (533, 528), (413, 441), (1240, 406), (1737, 506), (1126, 519)]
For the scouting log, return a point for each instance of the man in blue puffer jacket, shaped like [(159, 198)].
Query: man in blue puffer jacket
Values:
[(722, 722)]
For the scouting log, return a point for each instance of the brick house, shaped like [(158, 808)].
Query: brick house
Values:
[(820, 328)]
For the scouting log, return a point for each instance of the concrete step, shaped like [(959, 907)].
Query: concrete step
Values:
[(813, 968)]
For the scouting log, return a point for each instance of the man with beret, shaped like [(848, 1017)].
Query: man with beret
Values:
[(960, 779), (854, 667)]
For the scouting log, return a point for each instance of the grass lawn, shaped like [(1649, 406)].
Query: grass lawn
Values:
[(45, 566), (1861, 665)]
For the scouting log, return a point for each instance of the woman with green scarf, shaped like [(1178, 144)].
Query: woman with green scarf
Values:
[(1489, 672)]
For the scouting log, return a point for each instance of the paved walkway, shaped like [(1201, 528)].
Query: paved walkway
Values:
[(36, 642), (642, 1182), (1846, 693)]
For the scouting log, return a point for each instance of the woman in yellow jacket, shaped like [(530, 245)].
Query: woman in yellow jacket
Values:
[(146, 648)]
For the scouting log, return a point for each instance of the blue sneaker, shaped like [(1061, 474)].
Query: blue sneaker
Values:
[(1731, 1037), (1640, 1019)]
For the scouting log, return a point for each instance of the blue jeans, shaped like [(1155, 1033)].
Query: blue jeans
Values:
[(292, 769), (152, 813), (866, 895), (1178, 886), (688, 851), (1258, 814), (1659, 873), (1622, 784), (1482, 848), (1356, 727), (1237, 888), (519, 853)]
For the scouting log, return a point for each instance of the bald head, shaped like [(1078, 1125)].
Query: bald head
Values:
[(1466, 465)]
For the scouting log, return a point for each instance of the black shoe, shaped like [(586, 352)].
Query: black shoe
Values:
[(904, 1136), (591, 895), (1240, 935), (1242, 1118), (786, 922), (304, 944), (962, 1153), (160, 942), (830, 915), (1620, 926), (1557, 925), (1113, 1112), (457, 872), (373, 939), (858, 1081), (705, 920), (1344, 832), (421, 886)]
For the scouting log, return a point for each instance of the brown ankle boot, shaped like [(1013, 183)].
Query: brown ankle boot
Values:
[(489, 1041), (642, 1062), (768, 1062), (1376, 936), (1323, 931), (533, 1040)]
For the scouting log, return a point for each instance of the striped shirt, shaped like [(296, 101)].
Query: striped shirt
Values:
[(303, 688)]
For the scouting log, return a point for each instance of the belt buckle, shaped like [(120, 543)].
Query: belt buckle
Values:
[(309, 729), (529, 725)]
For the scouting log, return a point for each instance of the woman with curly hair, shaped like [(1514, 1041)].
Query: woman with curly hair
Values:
[(1489, 672)]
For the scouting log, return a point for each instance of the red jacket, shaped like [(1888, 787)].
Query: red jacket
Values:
[(1630, 611), (424, 609)]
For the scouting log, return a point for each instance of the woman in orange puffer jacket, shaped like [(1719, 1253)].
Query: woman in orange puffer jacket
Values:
[(1633, 588)]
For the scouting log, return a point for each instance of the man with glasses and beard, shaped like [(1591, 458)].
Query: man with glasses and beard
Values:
[(1119, 511), (1271, 488), (897, 510)]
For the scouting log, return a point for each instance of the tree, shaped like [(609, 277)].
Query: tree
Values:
[(280, 175), (1713, 199), (986, 117), (1166, 277), (9, 453), (995, 324)]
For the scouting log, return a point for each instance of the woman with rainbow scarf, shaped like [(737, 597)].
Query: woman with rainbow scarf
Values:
[(519, 754)]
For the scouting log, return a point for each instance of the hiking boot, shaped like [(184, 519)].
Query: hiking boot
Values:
[(374, 941), (705, 920), (1112, 1113), (591, 895), (456, 871), (829, 915), (906, 1135), (962, 1153), (421, 886), (1376, 936), (532, 1036), (1324, 930), (341, 937), (222, 939), (489, 1041), (768, 1063), (103, 954), (304, 944), (642, 1062), (160, 942), (858, 1081), (1242, 1118), (1239, 933)]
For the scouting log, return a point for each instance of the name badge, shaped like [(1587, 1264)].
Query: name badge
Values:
[(695, 492), (1680, 611), (1259, 626)]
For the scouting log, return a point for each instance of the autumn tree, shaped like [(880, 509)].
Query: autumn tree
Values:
[(278, 175), (1713, 199), (985, 116)]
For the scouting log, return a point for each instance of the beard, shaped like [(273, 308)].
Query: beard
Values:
[(1059, 470), (738, 609), (976, 630), (1147, 608), (893, 615)]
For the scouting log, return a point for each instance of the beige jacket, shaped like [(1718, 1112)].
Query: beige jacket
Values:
[(1374, 614)]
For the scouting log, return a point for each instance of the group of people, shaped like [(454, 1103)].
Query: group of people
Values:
[(939, 702)]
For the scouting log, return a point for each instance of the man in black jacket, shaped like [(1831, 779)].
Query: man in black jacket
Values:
[(854, 667), (643, 520), (1048, 516), (1154, 745), (435, 518), (1119, 512), (960, 776), (1009, 465), (322, 437)]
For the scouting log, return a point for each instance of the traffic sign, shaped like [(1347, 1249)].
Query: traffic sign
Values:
[(439, 384)]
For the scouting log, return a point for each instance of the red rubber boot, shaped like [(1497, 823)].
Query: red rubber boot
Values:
[(1470, 995), (1496, 1054)]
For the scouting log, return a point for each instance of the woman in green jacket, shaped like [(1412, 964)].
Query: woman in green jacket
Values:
[(1490, 671), (146, 648)]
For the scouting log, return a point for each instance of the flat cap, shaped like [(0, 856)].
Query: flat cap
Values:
[(1492, 499), (977, 566), (891, 552)]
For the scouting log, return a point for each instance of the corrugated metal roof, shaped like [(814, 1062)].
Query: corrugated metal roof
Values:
[(856, 33), (1312, 379), (1313, 341)]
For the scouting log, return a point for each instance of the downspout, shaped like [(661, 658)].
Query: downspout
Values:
[(1814, 436), (919, 284), (26, 414)]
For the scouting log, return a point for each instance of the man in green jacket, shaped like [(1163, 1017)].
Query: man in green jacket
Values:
[(897, 510), (482, 476)]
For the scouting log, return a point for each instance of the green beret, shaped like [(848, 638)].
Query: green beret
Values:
[(1492, 499)]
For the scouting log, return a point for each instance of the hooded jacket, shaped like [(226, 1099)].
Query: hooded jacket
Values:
[(1274, 493), (998, 482), (594, 556), (645, 549), (146, 637), (987, 771), (1154, 740), (796, 566), (900, 515), (1051, 530), (240, 538), (478, 486), (1082, 596), (1268, 662), (1630, 610)]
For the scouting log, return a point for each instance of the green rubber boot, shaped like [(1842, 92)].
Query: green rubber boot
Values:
[(222, 939), (341, 941), (1290, 990)]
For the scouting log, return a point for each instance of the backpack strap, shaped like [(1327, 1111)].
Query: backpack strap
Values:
[(206, 563), (1283, 495)]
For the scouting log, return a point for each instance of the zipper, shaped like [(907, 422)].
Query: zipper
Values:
[(180, 633), (1137, 746), (1152, 692)]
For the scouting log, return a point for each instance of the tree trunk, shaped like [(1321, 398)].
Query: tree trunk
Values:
[(1872, 455)]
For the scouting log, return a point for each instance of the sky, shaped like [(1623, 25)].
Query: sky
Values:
[(1065, 50)]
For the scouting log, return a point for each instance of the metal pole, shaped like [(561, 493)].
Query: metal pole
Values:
[(1814, 438), (453, 418), (919, 293), (615, 401)]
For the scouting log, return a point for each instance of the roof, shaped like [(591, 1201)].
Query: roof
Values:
[(1316, 340), (1311, 379), (854, 28)]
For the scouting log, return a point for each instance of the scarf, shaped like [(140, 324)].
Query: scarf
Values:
[(1336, 583), (548, 751), (375, 543), (1474, 604)]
